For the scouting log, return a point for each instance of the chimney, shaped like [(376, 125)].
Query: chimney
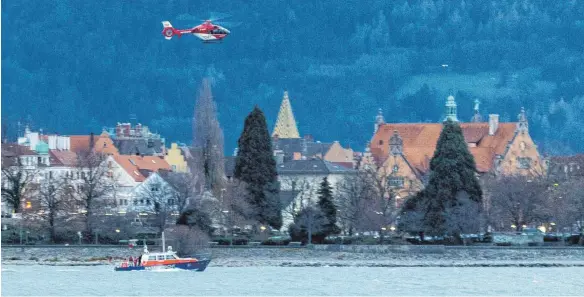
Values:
[(91, 141), (138, 129), (118, 130), (493, 123)]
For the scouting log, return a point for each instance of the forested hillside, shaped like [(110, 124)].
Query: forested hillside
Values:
[(75, 66)]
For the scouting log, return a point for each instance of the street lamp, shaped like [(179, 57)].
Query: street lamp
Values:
[(229, 226)]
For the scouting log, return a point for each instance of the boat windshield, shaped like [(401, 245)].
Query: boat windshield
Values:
[(170, 257)]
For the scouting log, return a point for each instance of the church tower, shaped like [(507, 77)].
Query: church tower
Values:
[(379, 120), (286, 124), (451, 109), (476, 118)]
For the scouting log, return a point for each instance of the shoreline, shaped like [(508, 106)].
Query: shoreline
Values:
[(296, 264), (365, 256)]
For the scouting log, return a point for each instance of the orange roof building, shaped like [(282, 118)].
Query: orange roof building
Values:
[(405, 150), (139, 167), (101, 143)]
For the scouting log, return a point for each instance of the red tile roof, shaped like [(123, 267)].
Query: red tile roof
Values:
[(419, 142), (63, 158), (135, 166)]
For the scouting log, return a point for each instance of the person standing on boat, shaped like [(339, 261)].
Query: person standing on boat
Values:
[(131, 260)]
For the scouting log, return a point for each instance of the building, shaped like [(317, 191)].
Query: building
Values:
[(138, 140), (155, 189), (288, 145), (102, 143), (566, 167), (128, 172), (404, 151), (176, 159), (300, 181)]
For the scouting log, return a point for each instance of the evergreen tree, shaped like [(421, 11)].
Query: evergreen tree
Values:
[(327, 207), (452, 174), (256, 166)]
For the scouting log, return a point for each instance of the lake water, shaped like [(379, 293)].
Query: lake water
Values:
[(102, 280)]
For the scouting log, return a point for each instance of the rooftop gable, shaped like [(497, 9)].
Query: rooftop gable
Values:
[(419, 142), (138, 167)]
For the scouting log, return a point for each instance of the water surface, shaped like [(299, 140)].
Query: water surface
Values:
[(102, 280)]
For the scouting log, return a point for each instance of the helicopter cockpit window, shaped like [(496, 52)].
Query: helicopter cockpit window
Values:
[(218, 31)]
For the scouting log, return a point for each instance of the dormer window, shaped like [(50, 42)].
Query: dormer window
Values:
[(523, 162)]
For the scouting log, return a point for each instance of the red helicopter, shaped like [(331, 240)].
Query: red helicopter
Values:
[(207, 31)]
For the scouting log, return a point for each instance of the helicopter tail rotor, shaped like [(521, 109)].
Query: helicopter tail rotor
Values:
[(168, 30)]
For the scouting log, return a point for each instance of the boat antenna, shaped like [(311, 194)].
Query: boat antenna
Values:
[(145, 247), (163, 242)]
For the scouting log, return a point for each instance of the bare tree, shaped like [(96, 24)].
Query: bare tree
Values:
[(380, 209), (234, 205), (301, 192), (516, 200), (565, 205), (187, 240), (186, 185), (159, 198), (352, 200), (55, 198), (208, 140), (16, 176), (94, 187), (308, 225)]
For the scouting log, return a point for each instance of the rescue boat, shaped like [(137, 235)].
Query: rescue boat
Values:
[(161, 260)]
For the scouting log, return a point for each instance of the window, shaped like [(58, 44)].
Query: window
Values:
[(154, 188), (151, 258), (170, 202), (173, 167), (83, 174), (147, 201), (50, 174), (160, 257), (135, 202), (381, 142), (396, 181), (170, 257), (523, 162)]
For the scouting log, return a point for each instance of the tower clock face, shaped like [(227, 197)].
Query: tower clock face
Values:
[(522, 146)]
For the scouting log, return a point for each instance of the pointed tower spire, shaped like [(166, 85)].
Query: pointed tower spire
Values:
[(522, 125), (451, 109), (379, 120), (286, 124), (476, 118)]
